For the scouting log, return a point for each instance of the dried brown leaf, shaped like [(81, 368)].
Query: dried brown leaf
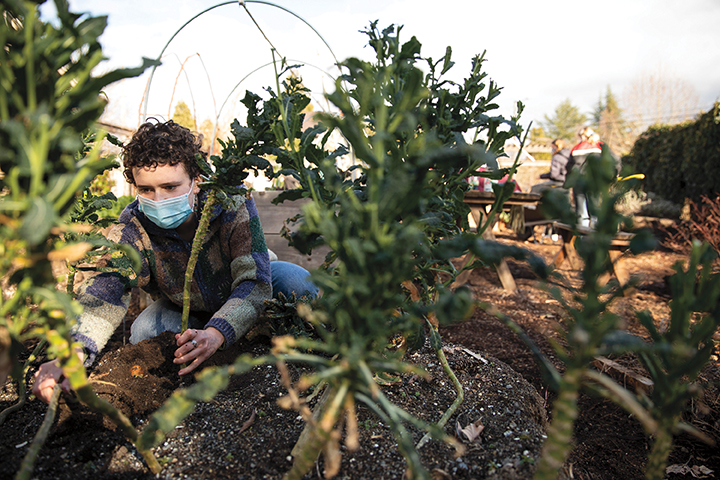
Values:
[(331, 452), (438, 474), (697, 471), (352, 438), (701, 471), (678, 468), (70, 253), (248, 423), (472, 431)]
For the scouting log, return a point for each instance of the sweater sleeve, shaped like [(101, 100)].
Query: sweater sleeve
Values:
[(250, 269), (559, 165), (105, 295)]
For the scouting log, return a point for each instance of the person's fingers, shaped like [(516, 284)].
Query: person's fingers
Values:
[(183, 353), (65, 385), (188, 345), (187, 336), (199, 355), (46, 378), (196, 347), (40, 392), (43, 387), (195, 364), (184, 350), (190, 348), (196, 356)]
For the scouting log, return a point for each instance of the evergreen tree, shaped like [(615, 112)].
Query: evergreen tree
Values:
[(610, 124), (597, 111), (565, 122), (183, 116), (538, 134)]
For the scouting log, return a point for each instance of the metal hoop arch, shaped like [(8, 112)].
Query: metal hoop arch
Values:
[(239, 2), (219, 112)]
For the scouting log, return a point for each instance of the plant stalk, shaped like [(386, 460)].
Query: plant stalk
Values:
[(658, 456), (565, 411), (458, 400), (28, 463), (319, 436), (200, 234), (22, 394)]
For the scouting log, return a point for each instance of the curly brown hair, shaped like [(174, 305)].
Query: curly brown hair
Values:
[(157, 143)]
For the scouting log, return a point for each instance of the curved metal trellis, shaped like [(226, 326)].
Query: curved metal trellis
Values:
[(219, 112), (146, 96)]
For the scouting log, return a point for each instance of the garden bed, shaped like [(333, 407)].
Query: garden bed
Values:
[(244, 434)]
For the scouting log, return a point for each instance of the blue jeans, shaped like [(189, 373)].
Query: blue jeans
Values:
[(164, 315), (583, 210)]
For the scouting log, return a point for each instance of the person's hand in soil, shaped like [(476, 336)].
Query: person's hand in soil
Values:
[(196, 346), (48, 375)]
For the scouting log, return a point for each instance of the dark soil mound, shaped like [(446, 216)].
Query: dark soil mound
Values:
[(244, 432)]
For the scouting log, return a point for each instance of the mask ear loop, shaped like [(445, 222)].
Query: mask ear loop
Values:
[(195, 196), (196, 203)]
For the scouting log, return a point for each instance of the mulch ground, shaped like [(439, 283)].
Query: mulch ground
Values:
[(609, 442)]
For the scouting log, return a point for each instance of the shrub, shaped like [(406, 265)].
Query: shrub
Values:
[(117, 207), (682, 160), (659, 207), (386, 230), (49, 101), (638, 202)]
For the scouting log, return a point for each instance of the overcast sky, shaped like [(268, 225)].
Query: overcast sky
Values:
[(541, 53)]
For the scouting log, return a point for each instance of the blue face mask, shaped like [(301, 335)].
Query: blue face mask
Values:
[(168, 213)]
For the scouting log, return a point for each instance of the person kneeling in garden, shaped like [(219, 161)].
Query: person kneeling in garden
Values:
[(233, 278)]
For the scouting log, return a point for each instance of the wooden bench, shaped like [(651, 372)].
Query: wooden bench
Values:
[(273, 217), (532, 217), (618, 245), (478, 201)]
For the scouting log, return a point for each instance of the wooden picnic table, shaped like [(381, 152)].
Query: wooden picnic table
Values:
[(618, 245), (479, 198), (478, 201)]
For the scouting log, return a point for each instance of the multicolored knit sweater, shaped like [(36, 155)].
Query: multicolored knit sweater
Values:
[(231, 282)]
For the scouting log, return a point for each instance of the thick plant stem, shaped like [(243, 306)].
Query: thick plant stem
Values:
[(89, 398), (558, 444), (310, 425), (22, 397), (658, 456), (198, 240), (319, 436), (28, 463), (308, 454)]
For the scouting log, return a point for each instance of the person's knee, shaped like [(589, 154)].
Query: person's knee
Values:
[(140, 331), (159, 316), (289, 279)]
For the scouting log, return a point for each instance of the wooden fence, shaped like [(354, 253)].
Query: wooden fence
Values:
[(272, 218)]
